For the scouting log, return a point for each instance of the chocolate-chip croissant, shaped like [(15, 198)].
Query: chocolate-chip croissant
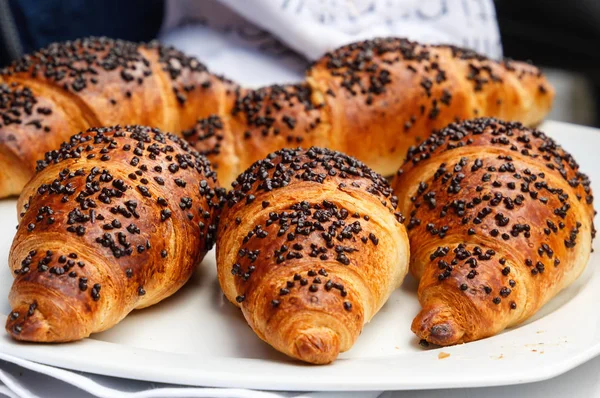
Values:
[(310, 246), (115, 220), (51, 94), (372, 100), (500, 220)]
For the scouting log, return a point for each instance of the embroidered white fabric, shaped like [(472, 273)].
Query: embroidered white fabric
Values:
[(275, 40)]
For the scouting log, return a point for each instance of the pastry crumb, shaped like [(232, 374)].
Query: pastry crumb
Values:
[(443, 355)]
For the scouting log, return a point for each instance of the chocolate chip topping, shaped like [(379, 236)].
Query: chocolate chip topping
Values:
[(324, 232), (206, 136), (104, 205), (365, 71), (274, 111), (521, 194), (75, 65), (318, 165)]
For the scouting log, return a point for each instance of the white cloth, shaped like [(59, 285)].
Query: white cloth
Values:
[(18, 382), (244, 40), (260, 42), (315, 27)]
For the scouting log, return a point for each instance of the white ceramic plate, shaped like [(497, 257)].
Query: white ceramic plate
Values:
[(196, 337)]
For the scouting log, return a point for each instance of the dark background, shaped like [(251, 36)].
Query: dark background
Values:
[(562, 34)]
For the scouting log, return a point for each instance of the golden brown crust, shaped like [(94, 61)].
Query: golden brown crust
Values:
[(30, 121), (310, 247), (188, 87), (374, 99), (99, 82), (101, 231), (212, 138), (257, 123), (385, 95), (500, 220)]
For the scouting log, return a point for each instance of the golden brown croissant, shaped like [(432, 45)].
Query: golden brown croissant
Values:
[(115, 220), (500, 220), (372, 100), (68, 87), (310, 247)]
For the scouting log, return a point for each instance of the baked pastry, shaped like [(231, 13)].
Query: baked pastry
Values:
[(372, 100), (115, 220), (49, 95), (310, 246), (500, 220)]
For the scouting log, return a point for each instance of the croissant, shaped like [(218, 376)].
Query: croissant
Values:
[(310, 246), (371, 100), (500, 220), (115, 220), (68, 87)]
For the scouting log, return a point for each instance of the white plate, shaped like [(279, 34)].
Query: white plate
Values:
[(196, 337)]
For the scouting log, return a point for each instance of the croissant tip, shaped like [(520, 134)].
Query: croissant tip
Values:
[(318, 346), (26, 325), (438, 326)]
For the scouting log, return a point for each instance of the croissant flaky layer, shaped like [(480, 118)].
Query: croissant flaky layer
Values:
[(500, 219), (49, 95), (114, 220), (310, 246), (372, 100)]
